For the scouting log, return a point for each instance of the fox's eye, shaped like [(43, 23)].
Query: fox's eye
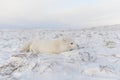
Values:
[(71, 43)]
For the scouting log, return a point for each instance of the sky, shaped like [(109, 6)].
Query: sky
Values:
[(58, 13)]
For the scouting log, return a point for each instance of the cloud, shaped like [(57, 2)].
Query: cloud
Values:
[(59, 12)]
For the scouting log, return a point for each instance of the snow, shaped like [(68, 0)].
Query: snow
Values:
[(98, 57)]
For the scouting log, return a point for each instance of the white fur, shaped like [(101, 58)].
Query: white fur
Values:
[(49, 46)]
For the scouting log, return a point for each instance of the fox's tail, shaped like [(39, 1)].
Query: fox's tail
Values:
[(26, 47)]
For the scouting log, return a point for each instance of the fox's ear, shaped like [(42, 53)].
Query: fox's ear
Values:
[(66, 39)]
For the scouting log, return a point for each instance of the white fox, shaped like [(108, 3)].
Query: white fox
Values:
[(49, 46)]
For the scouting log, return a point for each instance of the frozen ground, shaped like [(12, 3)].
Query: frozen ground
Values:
[(98, 57)]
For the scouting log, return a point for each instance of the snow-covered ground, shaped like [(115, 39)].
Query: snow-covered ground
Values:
[(98, 57)]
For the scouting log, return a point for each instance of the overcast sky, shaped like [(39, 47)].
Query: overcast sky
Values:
[(58, 13)]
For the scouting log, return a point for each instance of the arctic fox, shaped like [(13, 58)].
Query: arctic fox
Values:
[(49, 46)]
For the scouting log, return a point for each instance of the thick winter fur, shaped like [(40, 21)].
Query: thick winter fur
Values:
[(49, 46)]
